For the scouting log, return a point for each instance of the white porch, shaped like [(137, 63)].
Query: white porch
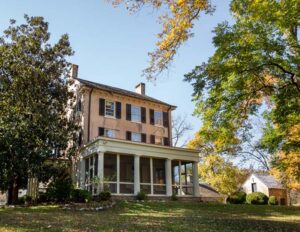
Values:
[(126, 168)]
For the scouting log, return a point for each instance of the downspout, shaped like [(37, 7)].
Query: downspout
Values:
[(89, 114), (170, 126)]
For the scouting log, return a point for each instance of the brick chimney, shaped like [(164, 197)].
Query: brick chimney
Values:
[(140, 88), (74, 71)]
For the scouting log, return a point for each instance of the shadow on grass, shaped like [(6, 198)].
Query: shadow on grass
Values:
[(154, 216)]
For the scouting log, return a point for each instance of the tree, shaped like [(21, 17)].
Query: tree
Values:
[(256, 65), (179, 128), (177, 24), (221, 174), (34, 96)]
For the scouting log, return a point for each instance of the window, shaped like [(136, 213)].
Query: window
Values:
[(136, 137), (159, 176), (110, 108), (135, 114), (182, 178), (110, 133), (110, 172), (158, 140), (158, 118), (91, 172), (254, 187)]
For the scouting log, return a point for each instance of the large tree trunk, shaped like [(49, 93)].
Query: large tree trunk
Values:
[(13, 192), (9, 194)]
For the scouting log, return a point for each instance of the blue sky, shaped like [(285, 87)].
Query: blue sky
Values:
[(111, 45)]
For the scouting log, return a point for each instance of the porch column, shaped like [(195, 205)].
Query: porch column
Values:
[(196, 180), (168, 177), (136, 174), (101, 169), (81, 173)]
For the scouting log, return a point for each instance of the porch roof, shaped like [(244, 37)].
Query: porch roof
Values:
[(104, 144)]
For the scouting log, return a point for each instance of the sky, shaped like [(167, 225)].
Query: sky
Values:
[(111, 45)]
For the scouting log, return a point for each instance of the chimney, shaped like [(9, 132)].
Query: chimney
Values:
[(74, 71), (140, 88)]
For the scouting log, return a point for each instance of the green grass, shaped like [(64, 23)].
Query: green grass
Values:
[(154, 216)]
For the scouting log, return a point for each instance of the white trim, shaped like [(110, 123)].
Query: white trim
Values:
[(151, 175), (118, 173), (104, 144)]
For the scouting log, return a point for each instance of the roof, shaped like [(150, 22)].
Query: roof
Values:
[(122, 91), (207, 191), (269, 181)]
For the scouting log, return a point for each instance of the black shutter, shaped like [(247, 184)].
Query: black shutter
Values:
[(143, 114), (80, 139), (166, 141), (96, 165), (118, 110), (144, 138), (79, 106), (151, 116), (152, 139), (128, 135), (128, 112), (101, 131), (101, 106), (165, 119)]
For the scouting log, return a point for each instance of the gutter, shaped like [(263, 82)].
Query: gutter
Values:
[(89, 114)]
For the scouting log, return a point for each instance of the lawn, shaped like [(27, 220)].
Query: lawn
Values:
[(154, 216)]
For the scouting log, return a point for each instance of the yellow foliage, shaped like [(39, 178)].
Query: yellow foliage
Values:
[(177, 24), (289, 175)]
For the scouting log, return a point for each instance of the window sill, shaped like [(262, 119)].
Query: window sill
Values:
[(108, 116)]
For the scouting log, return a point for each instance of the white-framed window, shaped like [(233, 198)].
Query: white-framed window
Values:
[(110, 108), (110, 133), (158, 118), (136, 114), (136, 137)]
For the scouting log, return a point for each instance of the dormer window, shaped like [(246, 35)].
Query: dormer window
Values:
[(110, 109)]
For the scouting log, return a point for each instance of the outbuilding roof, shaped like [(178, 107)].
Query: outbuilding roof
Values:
[(269, 181), (122, 91)]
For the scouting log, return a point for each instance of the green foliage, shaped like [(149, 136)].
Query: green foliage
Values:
[(25, 200), (34, 94), (60, 190), (81, 195), (104, 196), (237, 198), (141, 196), (255, 67), (272, 200), (174, 197), (256, 198)]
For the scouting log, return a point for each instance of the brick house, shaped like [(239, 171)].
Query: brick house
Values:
[(126, 143)]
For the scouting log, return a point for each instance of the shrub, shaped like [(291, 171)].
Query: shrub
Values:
[(24, 200), (174, 197), (60, 190), (141, 196), (43, 197), (21, 200), (80, 195), (237, 198), (104, 196), (257, 198), (272, 200)]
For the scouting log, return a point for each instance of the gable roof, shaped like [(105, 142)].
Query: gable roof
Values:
[(268, 180), (122, 91)]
